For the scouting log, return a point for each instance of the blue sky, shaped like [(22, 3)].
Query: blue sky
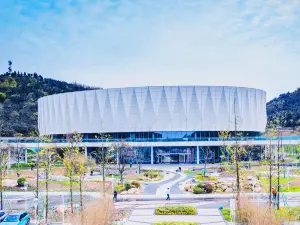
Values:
[(117, 43)]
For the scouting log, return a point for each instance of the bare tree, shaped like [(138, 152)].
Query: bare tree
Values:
[(47, 158), (124, 153), (70, 160), (104, 156), (4, 153), (271, 134)]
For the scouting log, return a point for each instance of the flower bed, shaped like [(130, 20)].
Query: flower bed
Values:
[(176, 210)]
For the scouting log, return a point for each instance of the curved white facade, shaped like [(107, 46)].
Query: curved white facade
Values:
[(138, 109)]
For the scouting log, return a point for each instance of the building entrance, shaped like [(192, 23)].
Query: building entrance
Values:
[(174, 155), (173, 158)]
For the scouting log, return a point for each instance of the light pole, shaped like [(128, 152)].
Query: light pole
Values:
[(278, 165)]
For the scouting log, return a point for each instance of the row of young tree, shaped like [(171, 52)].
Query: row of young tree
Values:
[(76, 165), (274, 151)]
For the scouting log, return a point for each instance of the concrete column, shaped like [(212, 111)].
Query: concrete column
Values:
[(9, 158), (152, 155), (26, 158), (85, 152), (198, 154)]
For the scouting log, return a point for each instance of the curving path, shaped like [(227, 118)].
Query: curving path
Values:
[(151, 188), (175, 187)]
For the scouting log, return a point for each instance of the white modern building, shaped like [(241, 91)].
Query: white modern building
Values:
[(176, 115)]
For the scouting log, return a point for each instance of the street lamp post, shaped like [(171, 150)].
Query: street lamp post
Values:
[(278, 166)]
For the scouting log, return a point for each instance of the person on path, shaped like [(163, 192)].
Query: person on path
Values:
[(274, 193), (115, 199), (168, 194)]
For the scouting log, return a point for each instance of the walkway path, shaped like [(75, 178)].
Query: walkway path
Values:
[(151, 188), (147, 216)]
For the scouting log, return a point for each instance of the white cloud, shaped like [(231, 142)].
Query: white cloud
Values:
[(131, 43)]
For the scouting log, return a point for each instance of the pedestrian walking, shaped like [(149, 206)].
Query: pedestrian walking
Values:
[(168, 192), (115, 199), (274, 193)]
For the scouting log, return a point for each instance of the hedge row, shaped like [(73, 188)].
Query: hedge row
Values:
[(176, 210), (176, 223)]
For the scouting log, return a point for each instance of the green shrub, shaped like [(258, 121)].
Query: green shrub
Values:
[(176, 210), (226, 214), (291, 189), (21, 181), (119, 188), (136, 184), (127, 186), (200, 185), (198, 190), (151, 174), (208, 188), (176, 223), (22, 165)]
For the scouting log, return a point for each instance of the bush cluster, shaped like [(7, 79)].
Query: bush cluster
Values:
[(151, 174), (125, 187), (206, 178), (176, 210), (21, 181), (136, 184), (22, 165), (203, 188), (119, 188)]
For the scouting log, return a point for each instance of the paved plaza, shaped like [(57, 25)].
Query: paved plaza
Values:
[(144, 213)]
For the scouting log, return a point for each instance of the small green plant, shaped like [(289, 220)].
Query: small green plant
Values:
[(226, 214), (21, 182), (176, 210), (151, 174), (136, 184), (128, 186), (198, 190), (119, 188)]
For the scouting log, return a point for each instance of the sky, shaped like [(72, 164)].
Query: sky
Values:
[(125, 43)]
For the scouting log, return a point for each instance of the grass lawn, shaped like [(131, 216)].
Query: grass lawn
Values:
[(189, 172), (283, 181), (289, 213), (291, 189), (226, 214)]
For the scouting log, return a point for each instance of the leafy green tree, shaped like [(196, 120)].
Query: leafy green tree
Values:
[(2, 97)]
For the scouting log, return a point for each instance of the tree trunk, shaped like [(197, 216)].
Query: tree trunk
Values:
[(71, 194), (81, 201), (1, 186), (37, 186), (270, 181), (47, 197), (103, 178)]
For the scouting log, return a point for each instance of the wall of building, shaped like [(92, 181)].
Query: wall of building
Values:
[(147, 109)]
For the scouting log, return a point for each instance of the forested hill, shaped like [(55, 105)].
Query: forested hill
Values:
[(19, 93), (285, 109)]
